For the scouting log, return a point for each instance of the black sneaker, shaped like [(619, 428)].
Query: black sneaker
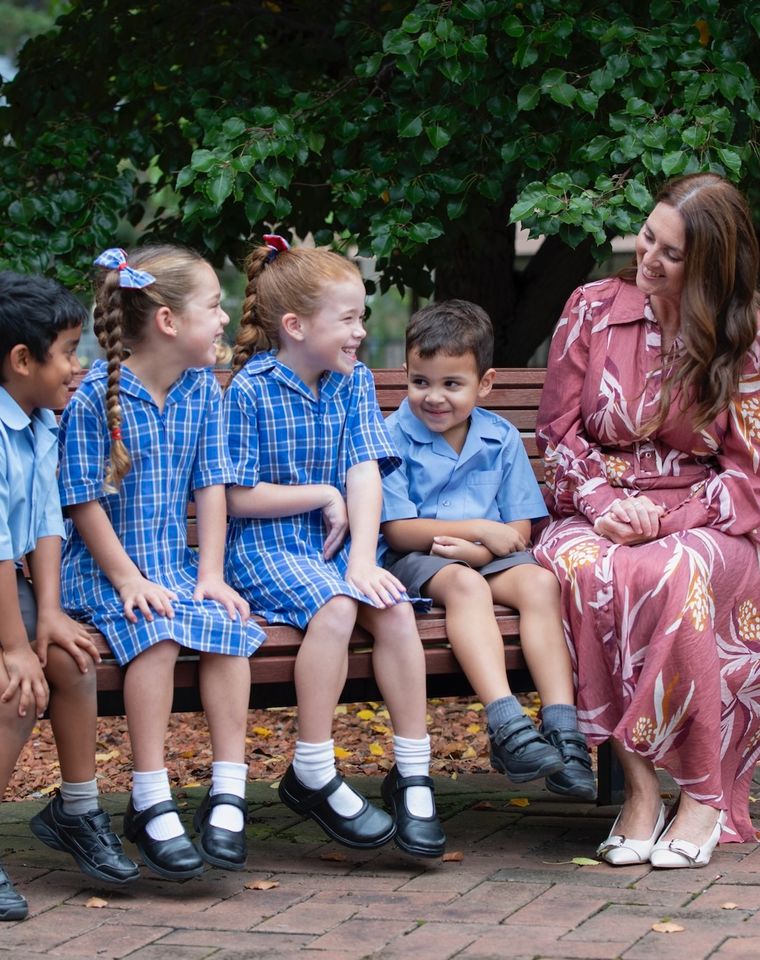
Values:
[(576, 778), (521, 752), (88, 838), (12, 905)]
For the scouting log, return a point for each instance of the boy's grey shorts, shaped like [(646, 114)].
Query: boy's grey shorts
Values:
[(27, 603), (416, 568)]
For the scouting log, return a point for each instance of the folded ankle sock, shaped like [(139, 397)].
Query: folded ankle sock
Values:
[(228, 777), (559, 716), (79, 798), (413, 760), (314, 765), (149, 787), (501, 710)]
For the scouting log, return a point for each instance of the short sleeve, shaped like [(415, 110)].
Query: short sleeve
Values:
[(6, 542), (212, 462), (82, 449), (397, 501), (241, 429), (519, 496), (367, 437)]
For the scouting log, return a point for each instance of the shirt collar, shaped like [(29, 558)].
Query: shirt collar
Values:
[(267, 362), (482, 427), (130, 384), (11, 413), (628, 305)]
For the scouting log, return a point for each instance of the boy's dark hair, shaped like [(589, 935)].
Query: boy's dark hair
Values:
[(33, 311), (452, 327)]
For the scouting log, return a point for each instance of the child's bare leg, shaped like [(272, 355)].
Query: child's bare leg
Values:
[(471, 627), (14, 732), (534, 592), (73, 715), (321, 667)]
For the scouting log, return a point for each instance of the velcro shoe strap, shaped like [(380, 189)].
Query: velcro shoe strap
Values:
[(228, 799), (689, 850), (402, 783), (143, 817), (519, 737), (573, 749)]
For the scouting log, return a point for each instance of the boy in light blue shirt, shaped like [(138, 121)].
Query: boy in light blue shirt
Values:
[(456, 527), (46, 659)]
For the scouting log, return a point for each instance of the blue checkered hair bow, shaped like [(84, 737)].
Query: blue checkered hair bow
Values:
[(116, 259)]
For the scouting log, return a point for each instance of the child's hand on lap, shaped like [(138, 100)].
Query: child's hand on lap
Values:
[(382, 588), (59, 628), (142, 594), (215, 588), (25, 679), (501, 538), (335, 516), (455, 548)]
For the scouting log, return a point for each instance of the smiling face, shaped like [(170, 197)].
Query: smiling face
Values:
[(201, 322), (330, 337), (660, 253), (48, 383), (442, 391)]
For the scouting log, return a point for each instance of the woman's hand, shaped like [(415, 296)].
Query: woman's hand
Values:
[(382, 588), (630, 521), (56, 627), (335, 516), (455, 548), (216, 588), (139, 593)]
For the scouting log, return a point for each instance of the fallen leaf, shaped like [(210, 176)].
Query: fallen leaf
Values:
[(49, 789), (274, 785), (341, 710), (191, 784), (585, 862), (341, 753), (366, 714), (483, 805), (105, 757), (380, 728), (667, 926), (261, 885), (477, 707), (729, 905), (469, 753), (333, 855), (262, 731), (519, 802), (376, 750), (454, 857), (187, 754), (455, 775), (96, 903), (474, 728)]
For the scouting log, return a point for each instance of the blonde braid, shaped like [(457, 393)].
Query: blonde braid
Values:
[(110, 324)]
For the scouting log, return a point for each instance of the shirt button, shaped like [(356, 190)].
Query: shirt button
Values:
[(447, 503)]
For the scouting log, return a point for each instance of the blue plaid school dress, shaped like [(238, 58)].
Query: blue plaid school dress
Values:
[(279, 432), (173, 453)]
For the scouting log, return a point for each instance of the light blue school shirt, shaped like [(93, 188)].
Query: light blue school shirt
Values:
[(491, 479), (29, 503)]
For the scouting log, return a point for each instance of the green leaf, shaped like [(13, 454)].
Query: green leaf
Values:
[(587, 100), (731, 160), (425, 232), (673, 162), (512, 26), (427, 41), (729, 86), (596, 148), (284, 126), (265, 193), (219, 185), (563, 93), (396, 41), (184, 178), (473, 9), (530, 198), (528, 96), (694, 136), (638, 196), (410, 127), (477, 46), (233, 127), (456, 208), (202, 161), (438, 136), (412, 23)]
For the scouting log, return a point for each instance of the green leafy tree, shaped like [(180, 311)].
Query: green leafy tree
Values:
[(420, 132)]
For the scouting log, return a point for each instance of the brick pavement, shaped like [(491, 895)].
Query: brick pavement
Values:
[(515, 893)]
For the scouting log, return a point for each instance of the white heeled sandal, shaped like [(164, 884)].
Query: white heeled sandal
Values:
[(621, 851), (672, 854)]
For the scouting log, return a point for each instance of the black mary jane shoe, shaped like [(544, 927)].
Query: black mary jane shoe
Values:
[(365, 830), (175, 859), (418, 836), (218, 846)]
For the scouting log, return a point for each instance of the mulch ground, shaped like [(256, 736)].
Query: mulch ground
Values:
[(362, 736)]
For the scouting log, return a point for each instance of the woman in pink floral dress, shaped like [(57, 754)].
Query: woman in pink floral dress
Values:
[(650, 429)]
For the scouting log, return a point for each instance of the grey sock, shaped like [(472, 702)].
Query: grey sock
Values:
[(559, 716), (79, 798), (501, 710)]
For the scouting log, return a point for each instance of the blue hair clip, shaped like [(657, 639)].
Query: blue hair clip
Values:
[(116, 259)]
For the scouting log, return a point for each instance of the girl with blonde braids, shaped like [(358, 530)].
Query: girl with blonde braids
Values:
[(142, 434), (308, 446)]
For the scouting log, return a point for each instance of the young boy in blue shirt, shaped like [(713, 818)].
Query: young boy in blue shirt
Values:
[(46, 658), (456, 528)]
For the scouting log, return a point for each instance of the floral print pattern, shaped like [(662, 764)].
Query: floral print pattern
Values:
[(665, 635)]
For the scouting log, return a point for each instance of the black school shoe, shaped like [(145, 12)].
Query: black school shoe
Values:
[(89, 839), (12, 905), (576, 778), (521, 752), (418, 836), (218, 846), (365, 830), (175, 859)]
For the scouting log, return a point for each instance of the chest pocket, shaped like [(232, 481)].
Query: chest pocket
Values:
[(482, 489)]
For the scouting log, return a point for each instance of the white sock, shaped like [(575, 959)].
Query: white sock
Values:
[(228, 777), (413, 760), (79, 798), (314, 765), (149, 787)]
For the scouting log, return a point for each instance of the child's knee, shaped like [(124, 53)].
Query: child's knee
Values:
[(336, 618), (463, 584), (64, 674)]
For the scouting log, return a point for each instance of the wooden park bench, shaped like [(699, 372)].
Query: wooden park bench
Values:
[(515, 395)]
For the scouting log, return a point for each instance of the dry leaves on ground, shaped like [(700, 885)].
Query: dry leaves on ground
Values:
[(362, 735)]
